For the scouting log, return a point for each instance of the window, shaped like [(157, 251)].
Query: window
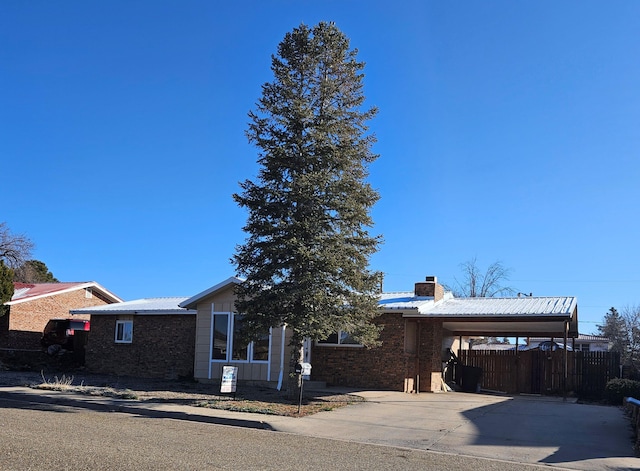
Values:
[(340, 338), (88, 293), (124, 331), (260, 349), (227, 344), (410, 337), (220, 337)]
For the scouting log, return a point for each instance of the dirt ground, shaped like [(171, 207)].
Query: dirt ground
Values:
[(257, 399)]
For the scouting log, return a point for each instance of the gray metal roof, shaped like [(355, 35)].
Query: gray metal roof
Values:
[(404, 301), (478, 307), (500, 307), (139, 306)]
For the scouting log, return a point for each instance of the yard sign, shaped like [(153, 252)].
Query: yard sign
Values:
[(229, 379)]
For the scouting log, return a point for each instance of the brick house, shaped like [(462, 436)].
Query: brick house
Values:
[(149, 338), (34, 304), (420, 326), (174, 337)]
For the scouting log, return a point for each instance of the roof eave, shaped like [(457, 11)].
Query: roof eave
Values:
[(157, 312), (90, 284), (193, 301)]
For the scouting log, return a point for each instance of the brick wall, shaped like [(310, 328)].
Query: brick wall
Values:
[(23, 326), (385, 367), (162, 347), (33, 315), (430, 355)]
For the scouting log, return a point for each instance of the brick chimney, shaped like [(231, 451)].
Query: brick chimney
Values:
[(430, 288)]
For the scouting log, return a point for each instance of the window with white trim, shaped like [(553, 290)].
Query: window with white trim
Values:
[(124, 331), (228, 346), (341, 338)]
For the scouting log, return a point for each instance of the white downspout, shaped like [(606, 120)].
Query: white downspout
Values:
[(281, 374), (269, 354)]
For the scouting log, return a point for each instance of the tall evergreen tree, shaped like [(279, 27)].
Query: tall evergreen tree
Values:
[(6, 286), (307, 253), (34, 271), (614, 327)]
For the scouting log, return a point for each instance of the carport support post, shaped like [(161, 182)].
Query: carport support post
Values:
[(517, 366), (419, 341), (566, 362)]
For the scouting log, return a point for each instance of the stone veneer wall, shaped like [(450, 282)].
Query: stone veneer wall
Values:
[(385, 367), (163, 346)]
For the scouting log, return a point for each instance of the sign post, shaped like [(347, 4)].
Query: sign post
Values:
[(303, 369)]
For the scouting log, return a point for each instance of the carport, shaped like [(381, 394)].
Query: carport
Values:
[(553, 317)]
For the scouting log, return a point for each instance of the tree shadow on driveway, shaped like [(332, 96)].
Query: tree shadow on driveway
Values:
[(571, 432)]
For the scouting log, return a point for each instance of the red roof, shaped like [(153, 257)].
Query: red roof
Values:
[(26, 291)]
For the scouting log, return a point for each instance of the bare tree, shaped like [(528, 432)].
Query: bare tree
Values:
[(478, 284), (631, 316), (15, 249)]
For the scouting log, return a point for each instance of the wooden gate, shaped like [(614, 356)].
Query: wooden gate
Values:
[(540, 372), (593, 370)]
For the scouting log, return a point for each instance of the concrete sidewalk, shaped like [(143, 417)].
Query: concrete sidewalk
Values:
[(533, 430)]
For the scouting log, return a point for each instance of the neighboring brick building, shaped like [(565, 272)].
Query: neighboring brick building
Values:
[(34, 304), (150, 338)]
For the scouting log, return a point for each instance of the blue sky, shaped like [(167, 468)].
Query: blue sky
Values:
[(507, 131)]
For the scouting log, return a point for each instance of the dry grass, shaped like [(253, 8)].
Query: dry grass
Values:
[(254, 399), (65, 384), (281, 405)]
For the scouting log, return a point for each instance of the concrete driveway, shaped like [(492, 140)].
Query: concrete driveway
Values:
[(525, 429), (520, 429)]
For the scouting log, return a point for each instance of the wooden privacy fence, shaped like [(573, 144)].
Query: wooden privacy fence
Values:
[(540, 372)]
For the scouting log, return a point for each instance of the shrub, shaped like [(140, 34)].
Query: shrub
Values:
[(617, 389)]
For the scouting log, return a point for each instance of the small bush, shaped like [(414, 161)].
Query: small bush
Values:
[(617, 389)]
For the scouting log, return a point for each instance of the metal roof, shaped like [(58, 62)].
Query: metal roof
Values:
[(582, 337), (478, 307), (490, 316), (404, 300), (501, 307), (147, 306)]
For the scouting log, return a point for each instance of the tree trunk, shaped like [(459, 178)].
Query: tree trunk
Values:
[(294, 382)]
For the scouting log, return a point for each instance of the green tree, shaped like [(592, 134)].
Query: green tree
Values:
[(478, 284), (307, 253), (34, 271), (6, 287), (614, 327)]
